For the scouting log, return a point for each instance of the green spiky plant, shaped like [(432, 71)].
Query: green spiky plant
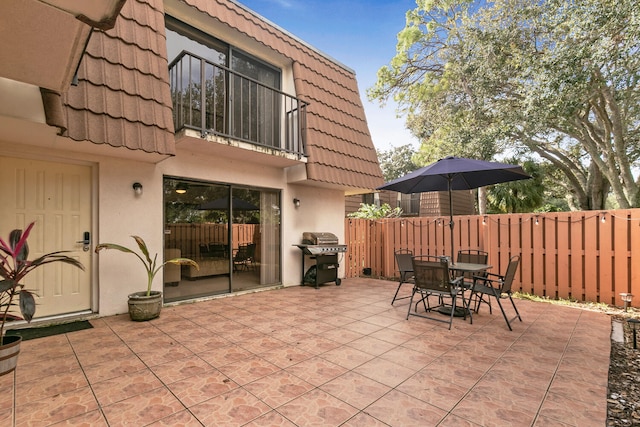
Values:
[(14, 266), (151, 265)]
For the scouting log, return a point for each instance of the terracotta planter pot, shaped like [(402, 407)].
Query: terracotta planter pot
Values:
[(9, 352), (143, 307)]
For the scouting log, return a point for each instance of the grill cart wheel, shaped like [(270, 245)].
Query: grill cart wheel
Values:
[(338, 281)]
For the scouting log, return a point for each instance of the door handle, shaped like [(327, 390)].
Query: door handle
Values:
[(86, 241)]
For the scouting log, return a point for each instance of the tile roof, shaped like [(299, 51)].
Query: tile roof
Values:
[(123, 94), (339, 145), (123, 97)]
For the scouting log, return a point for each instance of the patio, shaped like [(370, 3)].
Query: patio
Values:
[(335, 356)]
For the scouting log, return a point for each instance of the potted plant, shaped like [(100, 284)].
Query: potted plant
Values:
[(146, 305), (14, 266)]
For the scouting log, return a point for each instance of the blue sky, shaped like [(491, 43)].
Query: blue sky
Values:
[(361, 34)]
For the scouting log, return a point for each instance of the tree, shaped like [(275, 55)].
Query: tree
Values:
[(375, 212), (518, 196), (397, 162), (557, 78)]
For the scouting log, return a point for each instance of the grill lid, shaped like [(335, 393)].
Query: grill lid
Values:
[(319, 238)]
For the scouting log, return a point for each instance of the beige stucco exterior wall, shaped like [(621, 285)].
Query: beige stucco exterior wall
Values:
[(118, 213)]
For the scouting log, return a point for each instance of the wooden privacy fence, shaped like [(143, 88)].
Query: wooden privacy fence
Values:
[(188, 237), (588, 255)]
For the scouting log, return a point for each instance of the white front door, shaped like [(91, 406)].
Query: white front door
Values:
[(57, 196)]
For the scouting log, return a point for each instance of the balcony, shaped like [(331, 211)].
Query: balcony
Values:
[(215, 100)]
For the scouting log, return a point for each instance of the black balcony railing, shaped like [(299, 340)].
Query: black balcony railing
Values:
[(216, 100)]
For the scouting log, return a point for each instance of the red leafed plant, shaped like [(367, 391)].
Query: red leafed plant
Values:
[(14, 266)]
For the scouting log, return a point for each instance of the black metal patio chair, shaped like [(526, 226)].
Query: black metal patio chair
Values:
[(432, 278), (496, 286), (405, 267)]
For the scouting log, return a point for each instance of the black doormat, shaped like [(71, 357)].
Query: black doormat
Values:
[(46, 331)]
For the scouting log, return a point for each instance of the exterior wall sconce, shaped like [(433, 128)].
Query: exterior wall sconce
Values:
[(634, 324), (296, 202), (626, 298), (137, 188)]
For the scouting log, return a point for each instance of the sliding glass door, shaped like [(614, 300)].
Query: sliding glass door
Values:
[(232, 232)]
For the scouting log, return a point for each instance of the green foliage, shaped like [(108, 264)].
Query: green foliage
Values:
[(15, 266), (518, 196), (151, 266), (397, 162), (556, 78), (375, 212)]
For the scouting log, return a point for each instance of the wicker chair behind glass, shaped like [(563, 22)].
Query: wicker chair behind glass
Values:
[(405, 267), (432, 278)]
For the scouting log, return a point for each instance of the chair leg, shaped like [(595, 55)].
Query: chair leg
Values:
[(453, 310), (426, 304), (396, 294), (466, 305), (395, 297), (515, 308), (506, 319), (413, 292)]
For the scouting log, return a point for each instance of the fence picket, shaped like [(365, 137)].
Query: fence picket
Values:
[(566, 255)]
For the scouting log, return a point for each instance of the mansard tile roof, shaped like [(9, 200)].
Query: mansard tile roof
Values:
[(123, 94), (123, 97)]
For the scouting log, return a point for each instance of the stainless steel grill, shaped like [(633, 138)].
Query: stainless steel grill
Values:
[(323, 247), (314, 243)]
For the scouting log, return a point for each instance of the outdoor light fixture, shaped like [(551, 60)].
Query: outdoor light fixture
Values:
[(626, 298), (296, 202), (536, 219), (604, 218), (137, 188), (633, 324), (182, 188)]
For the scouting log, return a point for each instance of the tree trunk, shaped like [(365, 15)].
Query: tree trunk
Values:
[(482, 201)]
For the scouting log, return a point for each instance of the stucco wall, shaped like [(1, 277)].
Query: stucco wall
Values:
[(121, 214)]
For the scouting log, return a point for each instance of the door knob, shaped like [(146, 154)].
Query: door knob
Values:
[(86, 241)]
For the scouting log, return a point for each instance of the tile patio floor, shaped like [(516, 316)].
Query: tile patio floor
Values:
[(335, 356)]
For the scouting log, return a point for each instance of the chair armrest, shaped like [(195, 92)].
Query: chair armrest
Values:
[(487, 282), (457, 280)]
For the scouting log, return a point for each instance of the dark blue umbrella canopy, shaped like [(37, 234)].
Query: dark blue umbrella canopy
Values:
[(455, 173)]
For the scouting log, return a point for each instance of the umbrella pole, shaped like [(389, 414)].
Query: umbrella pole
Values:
[(451, 220)]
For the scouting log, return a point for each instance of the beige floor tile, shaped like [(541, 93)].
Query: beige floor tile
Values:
[(278, 388), (327, 357), (199, 388), (317, 370), (271, 419), (143, 409), (125, 386), (355, 389), (385, 372), (317, 408), (399, 409), (248, 370), (56, 408), (235, 408), (347, 357)]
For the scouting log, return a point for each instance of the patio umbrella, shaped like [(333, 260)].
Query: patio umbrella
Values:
[(455, 173), (223, 203)]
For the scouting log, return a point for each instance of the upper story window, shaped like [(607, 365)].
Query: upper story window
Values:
[(219, 89), (181, 36)]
